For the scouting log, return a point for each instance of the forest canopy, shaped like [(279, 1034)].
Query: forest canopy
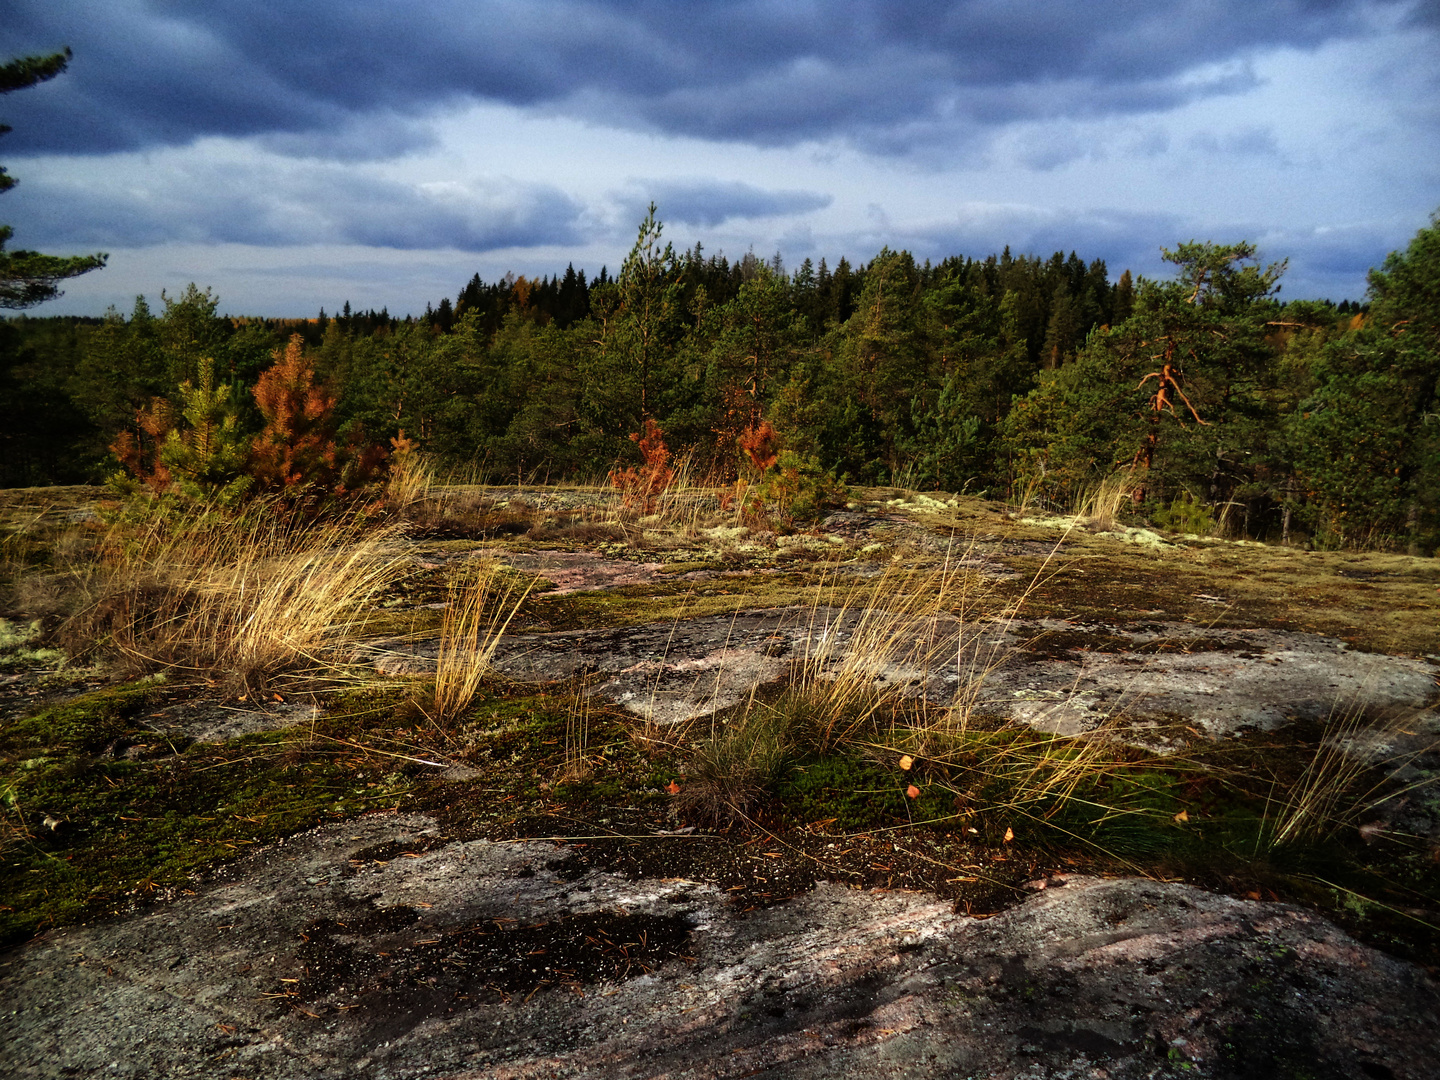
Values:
[(1009, 375)]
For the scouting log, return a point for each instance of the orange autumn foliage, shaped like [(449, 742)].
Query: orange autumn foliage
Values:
[(299, 449), (643, 486), (141, 455), (761, 445)]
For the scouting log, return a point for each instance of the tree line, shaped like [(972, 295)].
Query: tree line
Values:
[(1211, 399)]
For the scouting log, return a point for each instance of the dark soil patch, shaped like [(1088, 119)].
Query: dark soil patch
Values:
[(492, 959), (1060, 645)]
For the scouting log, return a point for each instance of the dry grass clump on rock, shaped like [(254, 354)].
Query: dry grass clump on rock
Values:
[(891, 678), (1340, 784), (867, 660), (482, 602), (733, 769), (235, 598)]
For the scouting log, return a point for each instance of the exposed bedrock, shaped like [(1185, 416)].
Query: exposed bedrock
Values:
[(1055, 676), (375, 948)]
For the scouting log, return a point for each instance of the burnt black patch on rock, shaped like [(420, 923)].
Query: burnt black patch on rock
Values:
[(569, 868), (1064, 644), (487, 961), (395, 849), (1069, 1042), (1061, 645), (1190, 645)]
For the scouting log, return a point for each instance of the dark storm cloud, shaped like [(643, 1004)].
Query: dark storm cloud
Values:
[(303, 204), (711, 203), (887, 74), (1426, 13)]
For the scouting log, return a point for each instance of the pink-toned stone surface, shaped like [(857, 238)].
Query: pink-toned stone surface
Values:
[(578, 571), (1089, 978)]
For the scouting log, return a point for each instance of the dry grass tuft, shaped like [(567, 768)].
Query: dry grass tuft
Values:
[(1337, 786), (236, 599), (483, 601), (410, 483), (872, 681), (1099, 507), (880, 643), (732, 769)]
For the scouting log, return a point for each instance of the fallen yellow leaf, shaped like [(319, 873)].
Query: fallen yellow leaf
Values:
[(1182, 817), (906, 761), (1009, 835)]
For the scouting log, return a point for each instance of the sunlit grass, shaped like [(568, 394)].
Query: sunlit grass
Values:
[(233, 598), (483, 600)]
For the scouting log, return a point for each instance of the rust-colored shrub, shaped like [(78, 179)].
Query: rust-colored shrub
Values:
[(643, 486), (761, 444), (140, 454), (299, 450)]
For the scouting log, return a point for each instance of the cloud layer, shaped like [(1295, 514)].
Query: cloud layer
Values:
[(711, 202), (277, 204), (401, 140), (891, 75)]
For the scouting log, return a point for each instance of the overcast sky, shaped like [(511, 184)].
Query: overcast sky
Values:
[(295, 156)]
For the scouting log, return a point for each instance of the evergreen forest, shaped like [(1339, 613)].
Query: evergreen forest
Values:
[(1219, 405)]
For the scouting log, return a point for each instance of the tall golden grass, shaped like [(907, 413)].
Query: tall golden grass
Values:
[(867, 655), (483, 601), (1347, 776), (235, 598), (1099, 506)]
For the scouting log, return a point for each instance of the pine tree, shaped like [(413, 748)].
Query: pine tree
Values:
[(1181, 393), (297, 447), (1123, 302), (28, 278), (1366, 441), (647, 319), (202, 453)]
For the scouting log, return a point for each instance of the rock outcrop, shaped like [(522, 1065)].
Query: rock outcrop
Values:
[(377, 948), (1056, 676)]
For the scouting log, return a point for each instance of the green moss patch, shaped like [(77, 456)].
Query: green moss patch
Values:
[(100, 812), (849, 794)]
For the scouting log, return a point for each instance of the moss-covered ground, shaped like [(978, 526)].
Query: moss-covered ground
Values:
[(106, 806)]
